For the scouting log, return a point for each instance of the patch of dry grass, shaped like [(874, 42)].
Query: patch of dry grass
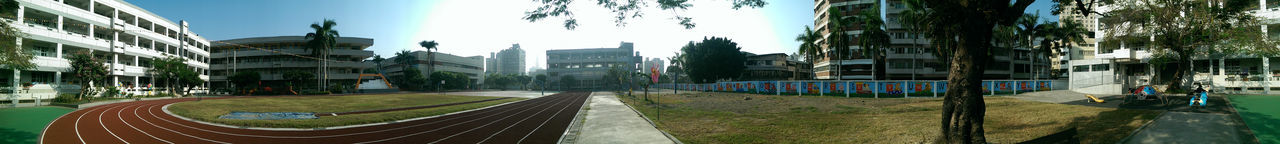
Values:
[(728, 118), (209, 110)]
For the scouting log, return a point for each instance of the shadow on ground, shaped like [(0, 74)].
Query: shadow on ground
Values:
[(1266, 128), (12, 136)]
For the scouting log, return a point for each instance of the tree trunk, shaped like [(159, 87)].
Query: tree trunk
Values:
[(1184, 65), (963, 109)]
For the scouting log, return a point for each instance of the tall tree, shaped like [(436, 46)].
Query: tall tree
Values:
[(295, 79), (1030, 28), (1180, 29), (809, 45), (377, 60), (320, 42), (873, 39), (623, 10), (713, 59), (168, 68), (86, 69), (431, 46), (837, 40), (12, 56), (245, 81), (969, 25)]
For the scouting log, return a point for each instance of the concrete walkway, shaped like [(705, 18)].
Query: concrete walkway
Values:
[(1190, 128), (610, 121)]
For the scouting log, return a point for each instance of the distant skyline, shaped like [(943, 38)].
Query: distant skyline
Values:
[(478, 27)]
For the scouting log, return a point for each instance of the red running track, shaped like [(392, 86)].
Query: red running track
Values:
[(540, 120)]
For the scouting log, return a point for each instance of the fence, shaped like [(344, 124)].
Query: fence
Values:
[(870, 89)]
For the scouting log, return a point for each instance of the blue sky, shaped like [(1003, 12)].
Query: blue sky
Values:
[(477, 27)]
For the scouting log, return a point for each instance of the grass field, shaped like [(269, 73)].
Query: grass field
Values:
[(1261, 114), (23, 125), (209, 110), (728, 118)]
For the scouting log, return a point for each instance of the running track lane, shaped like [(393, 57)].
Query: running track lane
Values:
[(540, 120)]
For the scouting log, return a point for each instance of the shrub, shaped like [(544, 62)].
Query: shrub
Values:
[(65, 98), (313, 92)]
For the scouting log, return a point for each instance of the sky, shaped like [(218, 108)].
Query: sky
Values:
[(478, 27)]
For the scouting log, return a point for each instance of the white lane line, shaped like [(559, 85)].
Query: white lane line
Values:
[(436, 129), (545, 122), (77, 125), (47, 126), (170, 130), (135, 111), (495, 121), (104, 126), (299, 137)]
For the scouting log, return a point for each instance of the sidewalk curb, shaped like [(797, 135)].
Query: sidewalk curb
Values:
[(1236, 115), (651, 123)]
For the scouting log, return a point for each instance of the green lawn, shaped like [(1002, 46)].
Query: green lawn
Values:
[(729, 118), (1261, 114), (209, 110), (23, 125)]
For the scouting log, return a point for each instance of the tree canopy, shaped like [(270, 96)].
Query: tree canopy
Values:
[(12, 56), (85, 69), (623, 10), (712, 59)]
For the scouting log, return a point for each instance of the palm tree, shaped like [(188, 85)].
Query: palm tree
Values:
[(1060, 36), (404, 58), (377, 59), (914, 19), (430, 45), (809, 44), (873, 38), (1030, 28), (319, 43), (836, 43)]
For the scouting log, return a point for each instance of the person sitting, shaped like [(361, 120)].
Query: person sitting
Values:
[(1200, 92)]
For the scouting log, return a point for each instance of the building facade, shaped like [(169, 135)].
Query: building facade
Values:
[(775, 66), (127, 37), (470, 66), (909, 55), (508, 61), (1120, 65), (589, 66), (651, 63), (271, 57)]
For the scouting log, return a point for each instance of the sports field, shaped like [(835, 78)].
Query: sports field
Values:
[(1261, 113), (23, 125), (209, 110)]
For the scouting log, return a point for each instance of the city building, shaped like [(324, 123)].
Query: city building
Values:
[(909, 56), (1120, 65), (470, 66), (127, 37), (508, 61), (651, 63), (589, 66), (776, 66), (271, 57)]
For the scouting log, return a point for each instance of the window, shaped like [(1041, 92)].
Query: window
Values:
[(1080, 68), (1101, 67)]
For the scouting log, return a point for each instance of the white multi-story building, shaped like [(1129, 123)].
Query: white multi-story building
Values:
[(589, 66), (127, 37), (1116, 66), (471, 66), (271, 57)]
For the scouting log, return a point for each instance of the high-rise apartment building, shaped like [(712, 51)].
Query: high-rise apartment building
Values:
[(508, 61), (127, 37)]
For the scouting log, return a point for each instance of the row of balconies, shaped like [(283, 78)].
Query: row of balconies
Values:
[(248, 53), (77, 40), (290, 64), (64, 10)]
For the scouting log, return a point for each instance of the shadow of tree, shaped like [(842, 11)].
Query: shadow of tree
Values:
[(1111, 126), (12, 136), (1264, 126)]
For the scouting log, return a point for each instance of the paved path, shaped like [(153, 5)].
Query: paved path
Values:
[(540, 120), (1190, 128), (609, 121)]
